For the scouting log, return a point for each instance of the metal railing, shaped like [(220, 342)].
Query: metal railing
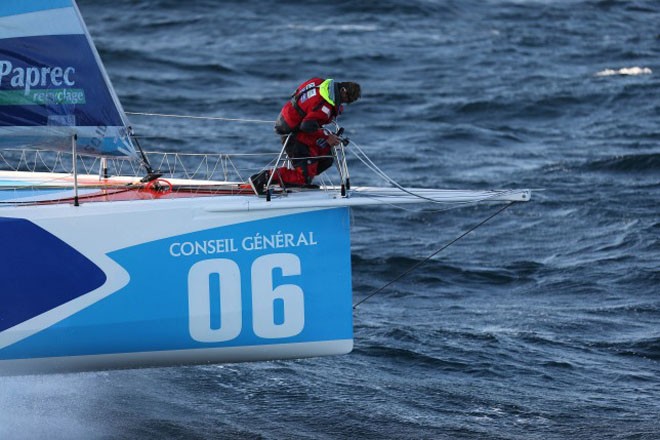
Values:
[(224, 167)]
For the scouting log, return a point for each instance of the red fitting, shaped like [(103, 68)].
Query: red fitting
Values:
[(159, 186)]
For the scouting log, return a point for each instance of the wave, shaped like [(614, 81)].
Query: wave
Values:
[(434, 272), (633, 163), (543, 106), (170, 22), (413, 357), (639, 310), (139, 63), (629, 71), (334, 27), (645, 348), (398, 8), (629, 163)]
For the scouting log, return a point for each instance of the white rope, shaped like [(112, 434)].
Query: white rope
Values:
[(362, 156), (208, 118)]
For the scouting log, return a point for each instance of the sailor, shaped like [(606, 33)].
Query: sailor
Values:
[(315, 103)]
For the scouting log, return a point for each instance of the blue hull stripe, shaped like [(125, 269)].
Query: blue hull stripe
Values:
[(41, 273)]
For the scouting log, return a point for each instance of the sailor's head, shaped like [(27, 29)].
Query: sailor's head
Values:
[(349, 91)]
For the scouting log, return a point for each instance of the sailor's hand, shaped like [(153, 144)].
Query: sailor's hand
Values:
[(333, 140)]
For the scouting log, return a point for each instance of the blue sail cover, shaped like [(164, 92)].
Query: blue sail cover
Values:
[(53, 84)]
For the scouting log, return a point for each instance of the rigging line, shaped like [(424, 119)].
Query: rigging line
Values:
[(208, 118), (415, 266), (362, 156)]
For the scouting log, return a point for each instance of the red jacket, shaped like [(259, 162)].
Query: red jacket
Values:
[(312, 105)]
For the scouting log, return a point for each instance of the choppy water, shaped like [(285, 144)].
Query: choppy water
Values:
[(543, 324)]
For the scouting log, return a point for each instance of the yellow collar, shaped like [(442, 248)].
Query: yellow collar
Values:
[(327, 91)]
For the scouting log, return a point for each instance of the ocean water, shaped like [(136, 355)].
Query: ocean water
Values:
[(542, 324)]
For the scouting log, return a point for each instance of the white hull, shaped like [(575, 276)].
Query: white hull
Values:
[(170, 281), (185, 280)]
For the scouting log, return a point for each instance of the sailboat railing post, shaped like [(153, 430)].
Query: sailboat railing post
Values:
[(339, 153), (277, 164), (340, 171), (342, 168), (74, 147), (103, 168), (347, 176)]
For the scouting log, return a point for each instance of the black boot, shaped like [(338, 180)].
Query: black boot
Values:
[(258, 182)]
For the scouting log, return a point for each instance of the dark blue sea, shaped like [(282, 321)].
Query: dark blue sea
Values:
[(542, 324)]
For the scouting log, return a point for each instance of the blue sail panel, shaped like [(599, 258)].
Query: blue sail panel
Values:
[(16, 7), (53, 84)]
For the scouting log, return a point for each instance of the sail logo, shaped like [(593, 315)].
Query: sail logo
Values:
[(39, 85)]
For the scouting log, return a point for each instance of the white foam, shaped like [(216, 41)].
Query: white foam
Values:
[(626, 71), (335, 27)]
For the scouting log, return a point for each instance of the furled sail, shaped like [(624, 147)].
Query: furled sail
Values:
[(53, 84)]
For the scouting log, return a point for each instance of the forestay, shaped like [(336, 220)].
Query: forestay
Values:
[(53, 84)]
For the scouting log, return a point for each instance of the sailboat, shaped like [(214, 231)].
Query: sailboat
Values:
[(102, 269)]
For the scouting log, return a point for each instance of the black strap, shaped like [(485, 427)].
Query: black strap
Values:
[(296, 96), (296, 106)]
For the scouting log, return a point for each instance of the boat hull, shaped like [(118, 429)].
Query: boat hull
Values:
[(137, 284)]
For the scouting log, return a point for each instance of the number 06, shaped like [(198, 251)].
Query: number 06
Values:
[(269, 303)]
